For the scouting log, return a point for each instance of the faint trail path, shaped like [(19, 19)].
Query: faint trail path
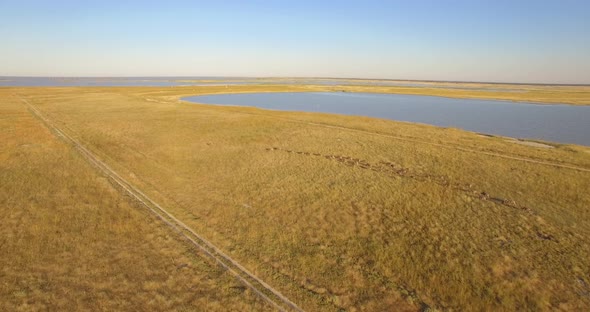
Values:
[(463, 149), (258, 286)]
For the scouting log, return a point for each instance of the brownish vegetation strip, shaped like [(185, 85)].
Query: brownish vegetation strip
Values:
[(251, 281), (392, 169), (459, 148)]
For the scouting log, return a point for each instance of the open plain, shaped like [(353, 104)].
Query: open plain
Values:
[(335, 212)]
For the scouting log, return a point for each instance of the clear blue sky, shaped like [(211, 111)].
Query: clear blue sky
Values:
[(475, 40)]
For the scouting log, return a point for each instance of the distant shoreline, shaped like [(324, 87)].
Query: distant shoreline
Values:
[(302, 78)]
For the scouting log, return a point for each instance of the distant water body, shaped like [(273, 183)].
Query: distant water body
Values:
[(558, 123), (104, 82), (212, 81), (152, 81)]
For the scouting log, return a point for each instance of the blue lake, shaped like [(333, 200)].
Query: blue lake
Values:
[(557, 123)]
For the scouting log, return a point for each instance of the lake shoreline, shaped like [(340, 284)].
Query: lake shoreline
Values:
[(531, 93), (523, 121)]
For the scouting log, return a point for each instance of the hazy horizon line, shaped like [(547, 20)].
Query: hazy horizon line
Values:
[(311, 77)]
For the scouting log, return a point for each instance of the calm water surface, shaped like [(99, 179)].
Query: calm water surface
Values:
[(558, 123)]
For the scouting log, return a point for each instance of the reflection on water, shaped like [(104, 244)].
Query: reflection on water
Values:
[(559, 123)]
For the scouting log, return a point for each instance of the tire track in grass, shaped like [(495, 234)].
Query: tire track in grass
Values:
[(257, 285)]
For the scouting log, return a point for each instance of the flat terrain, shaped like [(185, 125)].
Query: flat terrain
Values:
[(337, 212), (70, 241), (573, 95)]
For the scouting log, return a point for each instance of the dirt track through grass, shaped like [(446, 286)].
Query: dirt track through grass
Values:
[(265, 291), (431, 226)]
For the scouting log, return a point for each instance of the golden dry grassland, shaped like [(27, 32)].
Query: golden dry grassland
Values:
[(538, 94), (69, 241), (337, 212)]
